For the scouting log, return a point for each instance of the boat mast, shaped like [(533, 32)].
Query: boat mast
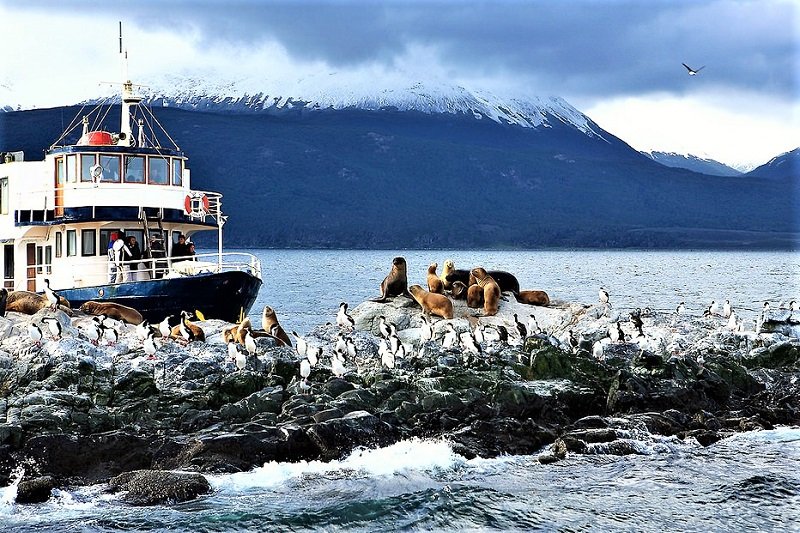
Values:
[(128, 99)]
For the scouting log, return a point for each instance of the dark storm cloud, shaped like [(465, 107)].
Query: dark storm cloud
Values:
[(581, 48)]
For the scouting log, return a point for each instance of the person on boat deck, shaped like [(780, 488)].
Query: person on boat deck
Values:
[(156, 252), (136, 255), (112, 265), (121, 253), (180, 248), (192, 253)]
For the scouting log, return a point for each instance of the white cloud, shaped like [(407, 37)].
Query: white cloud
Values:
[(738, 129)]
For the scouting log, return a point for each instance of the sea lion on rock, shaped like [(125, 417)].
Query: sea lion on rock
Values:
[(268, 319), (474, 295), (30, 303), (447, 268), (396, 283), (458, 290), (432, 303), (435, 284), (491, 291), (505, 280), (533, 298), (113, 310)]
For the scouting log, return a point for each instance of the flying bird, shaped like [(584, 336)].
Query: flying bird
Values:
[(693, 72)]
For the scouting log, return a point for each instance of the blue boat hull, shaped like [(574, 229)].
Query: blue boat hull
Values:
[(227, 296)]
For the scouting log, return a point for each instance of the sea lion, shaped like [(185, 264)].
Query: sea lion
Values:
[(491, 291), (396, 283), (505, 280), (196, 333), (458, 290), (268, 319), (112, 310), (474, 295), (447, 268), (431, 302), (435, 284), (533, 298), (29, 303)]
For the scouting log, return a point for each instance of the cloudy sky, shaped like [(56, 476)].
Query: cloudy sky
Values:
[(618, 61)]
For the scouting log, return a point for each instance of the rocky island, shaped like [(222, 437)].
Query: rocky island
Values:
[(77, 412)]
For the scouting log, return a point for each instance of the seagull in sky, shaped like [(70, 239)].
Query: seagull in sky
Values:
[(693, 72)]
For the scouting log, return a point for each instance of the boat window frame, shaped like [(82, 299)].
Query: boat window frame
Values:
[(8, 266), (72, 243), (60, 171), (86, 170), (177, 173), (109, 157), (59, 244), (126, 162), (71, 166), (4, 195), (150, 170), (88, 242), (48, 259), (105, 237), (40, 259)]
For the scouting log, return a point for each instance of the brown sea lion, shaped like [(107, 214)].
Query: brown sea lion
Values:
[(196, 333), (113, 310), (396, 283), (431, 302), (268, 319), (29, 303), (533, 298), (435, 283), (458, 290), (474, 295), (447, 268), (491, 291), (505, 280)]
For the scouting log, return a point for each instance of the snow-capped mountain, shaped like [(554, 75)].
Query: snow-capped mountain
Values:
[(786, 165), (332, 92), (703, 165)]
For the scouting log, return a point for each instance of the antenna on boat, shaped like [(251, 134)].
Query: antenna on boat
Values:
[(128, 99)]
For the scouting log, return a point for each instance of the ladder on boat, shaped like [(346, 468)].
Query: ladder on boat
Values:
[(155, 239)]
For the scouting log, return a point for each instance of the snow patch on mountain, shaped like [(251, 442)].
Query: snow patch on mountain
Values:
[(703, 164), (332, 91)]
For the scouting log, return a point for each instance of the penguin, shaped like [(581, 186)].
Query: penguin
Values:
[(426, 330), (35, 333), (250, 343), (343, 319), (726, 309), (52, 296)]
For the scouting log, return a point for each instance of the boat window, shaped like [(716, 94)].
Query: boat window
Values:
[(39, 259), (8, 266), (88, 242), (59, 244), (134, 169), (177, 172), (48, 259), (60, 171), (110, 166), (105, 241), (72, 242), (87, 162), (3, 196), (72, 168), (158, 171)]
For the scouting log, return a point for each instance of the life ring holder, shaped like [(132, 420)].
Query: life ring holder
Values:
[(196, 205)]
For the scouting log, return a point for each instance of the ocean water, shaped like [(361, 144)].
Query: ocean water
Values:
[(749, 482)]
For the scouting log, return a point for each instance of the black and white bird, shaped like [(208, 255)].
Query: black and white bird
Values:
[(502, 332), (305, 370), (241, 360), (726, 309), (636, 320), (383, 327), (469, 344), (313, 354), (426, 330), (613, 332), (35, 333), (394, 343), (387, 356), (149, 346), (691, 71), (450, 337), (351, 348), (602, 295), (521, 329), (111, 335), (143, 329), (340, 347), (233, 350), (343, 318), (337, 366), (164, 326), (250, 343), (681, 308), (300, 344), (93, 331), (713, 309), (732, 324), (53, 326), (478, 334), (52, 296), (186, 332)]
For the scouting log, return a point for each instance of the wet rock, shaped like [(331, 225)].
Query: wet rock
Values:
[(336, 437), (37, 490), (151, 487)]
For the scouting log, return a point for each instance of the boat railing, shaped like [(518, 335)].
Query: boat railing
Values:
[(103, 271)]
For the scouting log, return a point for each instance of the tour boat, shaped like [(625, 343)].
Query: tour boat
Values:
[(59, 216)]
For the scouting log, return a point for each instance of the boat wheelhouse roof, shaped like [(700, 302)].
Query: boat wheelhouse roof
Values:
[(115, 149)]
